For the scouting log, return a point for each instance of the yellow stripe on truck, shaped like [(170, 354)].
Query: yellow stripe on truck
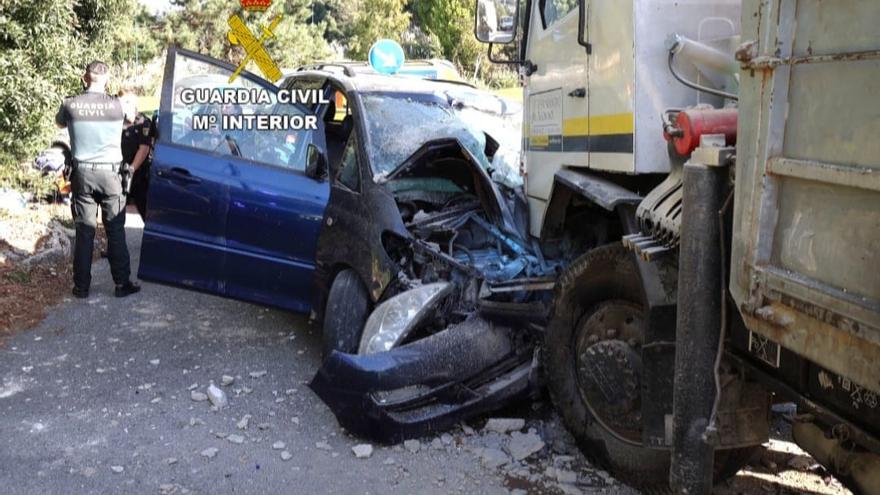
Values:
[(617, 123)]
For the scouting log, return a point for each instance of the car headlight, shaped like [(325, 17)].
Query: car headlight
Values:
[(395, 318)]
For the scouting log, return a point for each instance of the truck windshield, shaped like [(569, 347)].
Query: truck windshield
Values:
[(398, 124)]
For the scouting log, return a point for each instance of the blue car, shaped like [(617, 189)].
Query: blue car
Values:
[(398, 221)]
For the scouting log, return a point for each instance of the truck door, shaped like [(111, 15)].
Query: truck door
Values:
[(556, 100), (805, 269)]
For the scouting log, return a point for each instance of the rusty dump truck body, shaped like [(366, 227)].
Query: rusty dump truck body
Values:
[(805, 266)]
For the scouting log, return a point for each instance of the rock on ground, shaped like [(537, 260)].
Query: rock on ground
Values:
[(198, 396), (523, 445), (504, 425), (217, 396), (210, 452), (362, 451), (493, 458), (412, 445)]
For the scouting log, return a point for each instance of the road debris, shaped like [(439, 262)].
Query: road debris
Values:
[(523, 445), (362, 451), (117, 469), (217, 396), (286, 456), (198, 396), (412, 445), (504, 425), (279, 445), (258, 374), (243, 422), (210, 452), (236, 439), (492, 458), (323, 446), (227, 380)]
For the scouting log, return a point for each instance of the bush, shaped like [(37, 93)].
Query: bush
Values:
[(44, 45), (25, 179)]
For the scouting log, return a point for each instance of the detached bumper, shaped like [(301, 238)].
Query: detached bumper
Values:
[(427, 385)]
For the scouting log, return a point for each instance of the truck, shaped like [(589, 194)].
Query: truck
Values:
[(708, 172)]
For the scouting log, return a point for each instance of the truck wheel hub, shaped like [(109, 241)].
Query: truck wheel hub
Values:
[(609, 365)]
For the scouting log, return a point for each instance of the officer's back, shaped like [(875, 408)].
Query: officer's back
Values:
[(94, 121)]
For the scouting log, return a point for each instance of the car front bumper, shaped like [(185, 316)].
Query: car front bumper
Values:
[(429, 384)]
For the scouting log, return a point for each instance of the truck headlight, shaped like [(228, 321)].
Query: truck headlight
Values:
[(395, 318)]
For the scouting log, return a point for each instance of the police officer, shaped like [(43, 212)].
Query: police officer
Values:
[(94, 122), (137, 142)]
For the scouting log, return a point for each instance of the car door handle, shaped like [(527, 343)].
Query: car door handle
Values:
[(578, 93), (178, 174)]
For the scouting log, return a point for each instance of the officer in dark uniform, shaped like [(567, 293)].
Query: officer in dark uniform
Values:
[(94, 121), (137, 143)]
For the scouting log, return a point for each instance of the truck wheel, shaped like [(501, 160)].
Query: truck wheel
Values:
[(346, 313), (593, 366)]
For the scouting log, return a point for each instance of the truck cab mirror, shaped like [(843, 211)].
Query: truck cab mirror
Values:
[(316, 163), (496, 20)]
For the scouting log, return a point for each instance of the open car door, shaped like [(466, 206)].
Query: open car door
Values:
[(230, 211)]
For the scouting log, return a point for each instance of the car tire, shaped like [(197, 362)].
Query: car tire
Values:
[(605, 274), (348, 306)]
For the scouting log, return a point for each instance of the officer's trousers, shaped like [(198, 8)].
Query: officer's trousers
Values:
[(92, 188)]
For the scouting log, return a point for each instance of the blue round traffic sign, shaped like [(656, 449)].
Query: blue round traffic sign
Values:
[(386, 56)]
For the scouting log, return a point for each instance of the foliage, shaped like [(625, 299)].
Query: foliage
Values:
[(452, 22), (201, 25), (44, 45), (366, 21), (28, 180)]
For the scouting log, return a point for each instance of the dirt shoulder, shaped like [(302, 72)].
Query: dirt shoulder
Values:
[(35, 269)]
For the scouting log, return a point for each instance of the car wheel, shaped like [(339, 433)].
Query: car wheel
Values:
[(593, 364), (348, 306)]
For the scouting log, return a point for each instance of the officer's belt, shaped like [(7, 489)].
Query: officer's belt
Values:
[(111, 166)]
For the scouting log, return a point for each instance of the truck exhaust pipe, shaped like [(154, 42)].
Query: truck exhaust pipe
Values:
[(699, 330)]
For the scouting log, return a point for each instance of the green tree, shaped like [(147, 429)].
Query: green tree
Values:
[(366, 21), (452, 22), (201, 25), (44, 45)]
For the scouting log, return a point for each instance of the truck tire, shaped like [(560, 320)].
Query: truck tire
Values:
[(346, 313), (606, 280)]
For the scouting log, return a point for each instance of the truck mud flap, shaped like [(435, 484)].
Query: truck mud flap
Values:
[(427, 385)]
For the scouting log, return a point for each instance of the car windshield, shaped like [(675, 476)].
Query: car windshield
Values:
[(398, 124)]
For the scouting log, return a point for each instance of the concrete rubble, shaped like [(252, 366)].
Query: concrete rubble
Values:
[(504, 425), (362, 451), (217, 396), (210, 452), (243, 422)]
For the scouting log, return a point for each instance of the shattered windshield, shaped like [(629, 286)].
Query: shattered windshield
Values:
[(398, 124)]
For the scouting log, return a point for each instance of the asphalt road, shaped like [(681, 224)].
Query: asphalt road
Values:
[(97, 399)]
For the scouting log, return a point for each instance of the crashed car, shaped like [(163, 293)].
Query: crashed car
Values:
[(399, 223)]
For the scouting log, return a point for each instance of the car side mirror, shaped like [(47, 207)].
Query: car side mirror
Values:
[(496, 21), (316, 163)]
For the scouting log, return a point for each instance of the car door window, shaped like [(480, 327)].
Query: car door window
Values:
[(199, 125), (349, 169)]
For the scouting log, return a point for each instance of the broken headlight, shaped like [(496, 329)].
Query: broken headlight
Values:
[(395, 318)]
